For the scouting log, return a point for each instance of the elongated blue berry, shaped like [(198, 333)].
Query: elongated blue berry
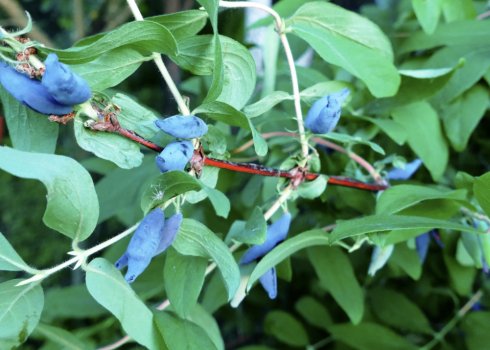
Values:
[(64, 86), (405, 173), (172, 225), (324, 115), (183, 127), (422, 246), (143, 245), (175, 156), (379, 258), (30, 92), (269, 282), (276, 233)]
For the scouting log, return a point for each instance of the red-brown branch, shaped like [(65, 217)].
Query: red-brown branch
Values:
[(297, 175)]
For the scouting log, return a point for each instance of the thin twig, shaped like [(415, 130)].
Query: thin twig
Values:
[(157, 58), (290, 59)]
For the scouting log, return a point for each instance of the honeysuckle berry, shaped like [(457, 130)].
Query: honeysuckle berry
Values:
[(172, 225), (56, 93), (405, 173), (269, 282), (379, 258), (276, 233), (63, 84), (183, 127), (153, 236), (422, 246), (30, 92), (324, 115), (175, 156)]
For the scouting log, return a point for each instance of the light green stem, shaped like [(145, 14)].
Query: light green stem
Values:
[(157, 58), (292, 68)]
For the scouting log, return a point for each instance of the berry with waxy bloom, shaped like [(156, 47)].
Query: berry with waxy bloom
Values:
[(183, 127), (175, 156), (56, 93), (65, 86), (276, 233), (405, 173), (151, 238), (324, 115)]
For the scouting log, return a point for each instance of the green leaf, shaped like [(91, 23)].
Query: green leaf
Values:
[(195, 239), (425, 136), (120, 191), (166, 186), (173, 183), (206, 321), (368, 336), (336, 274), (9, 259), (61, 337), (72, 302), (314, 312), (392, 129), (143, 36), (106, 284), (461, 277), (184, 278), (398, 311), (481, 188), (252, 231), (196, 54), (380, 223), (458, 10), (476, 330), (285, 249), (451, 34), (28, 130), (459, 126), (121, 151), (350, 41), (111, 68), (317, 91), (476, 63), (182, 24), (182, 334), (72, 207), (400, 197), (407, 259), (21, 310), (266, 104), (313, 189), (427, 13), (418, 84), (227, 114), (135, 117), (285, 328), (352, 140)]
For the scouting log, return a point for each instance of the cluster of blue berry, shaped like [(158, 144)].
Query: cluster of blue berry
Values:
[(56, 93)]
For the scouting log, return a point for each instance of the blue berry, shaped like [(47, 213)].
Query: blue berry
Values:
[(183, 127), (175, 156), (324, 115)]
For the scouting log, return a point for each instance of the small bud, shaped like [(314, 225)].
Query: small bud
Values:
[(324, 115), (175, 156), (183, 127)]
